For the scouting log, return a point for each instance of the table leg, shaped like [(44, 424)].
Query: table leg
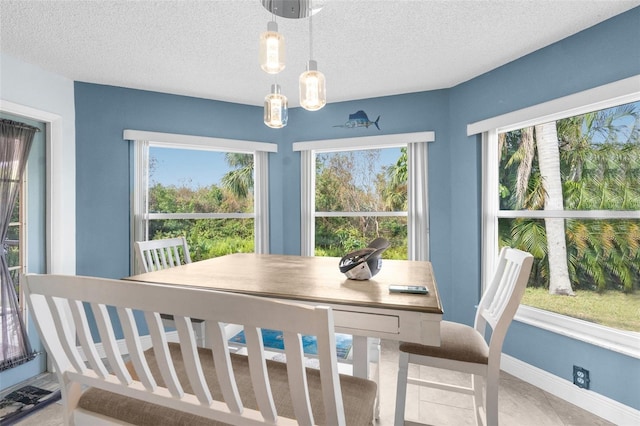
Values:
[(366, 349), (361, 357)]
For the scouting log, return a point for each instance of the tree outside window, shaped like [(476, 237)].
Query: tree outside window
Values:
[(206, 196), (361, 195), (570, 195)]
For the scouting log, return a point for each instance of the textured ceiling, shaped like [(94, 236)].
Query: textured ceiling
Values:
[(209, 49)]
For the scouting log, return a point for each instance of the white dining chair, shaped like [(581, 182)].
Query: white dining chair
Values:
[(155, 255), (465, 349)]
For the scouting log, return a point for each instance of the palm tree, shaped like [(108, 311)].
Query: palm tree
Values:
[(549, 161), (600, 152), (394, 191), (586, 162), (239, 181)]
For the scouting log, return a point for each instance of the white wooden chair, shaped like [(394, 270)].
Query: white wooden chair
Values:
[(465, 348), (180, 383), (155, 255)]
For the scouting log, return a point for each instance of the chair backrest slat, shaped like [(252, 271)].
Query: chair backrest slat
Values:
[(57, 308), (163, 356), (297, 378), (107, 336), (326, 340), (85, 339), (218, 338), (191, 359), (502, 298), (258, 369), (134, 346)]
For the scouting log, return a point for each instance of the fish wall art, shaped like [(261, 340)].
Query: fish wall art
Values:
[(359, 119)]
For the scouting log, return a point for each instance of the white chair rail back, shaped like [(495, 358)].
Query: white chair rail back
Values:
[(50, 296), (155, 255)]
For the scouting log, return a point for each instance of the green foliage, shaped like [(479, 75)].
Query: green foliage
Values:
[(209, 237), (600, 170), (348, 181)]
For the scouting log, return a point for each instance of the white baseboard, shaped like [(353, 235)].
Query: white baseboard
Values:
[(590, 401)]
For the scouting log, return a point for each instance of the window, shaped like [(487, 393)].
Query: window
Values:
[(348, 190), (361, 195), (212, 191), (563, 186), (15, 243)]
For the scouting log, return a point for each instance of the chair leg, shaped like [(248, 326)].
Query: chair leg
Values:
[(478, 383), (376, 354), (401, 389), (491, 399)]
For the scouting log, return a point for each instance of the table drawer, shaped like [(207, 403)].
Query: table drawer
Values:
[(365, 321)]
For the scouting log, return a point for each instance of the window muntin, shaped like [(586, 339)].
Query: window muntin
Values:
[(597, 209), (361, 195)]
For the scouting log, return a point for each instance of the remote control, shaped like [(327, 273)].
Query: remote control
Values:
[(413, 289)]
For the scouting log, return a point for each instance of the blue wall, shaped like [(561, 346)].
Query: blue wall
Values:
[(599, 55), (103, 159)]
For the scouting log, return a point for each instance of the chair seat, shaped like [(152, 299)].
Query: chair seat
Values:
[(459, 342), (358, 394)]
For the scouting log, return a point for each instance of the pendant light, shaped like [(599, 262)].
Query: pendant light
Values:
[(313, 94), (276, 111), (272, 55)]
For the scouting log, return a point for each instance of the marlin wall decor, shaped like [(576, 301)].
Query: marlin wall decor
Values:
[(359, 119)]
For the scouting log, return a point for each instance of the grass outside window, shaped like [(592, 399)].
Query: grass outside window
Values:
[(611, 308)]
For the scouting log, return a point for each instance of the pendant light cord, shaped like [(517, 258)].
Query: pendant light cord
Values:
[(310, 30)]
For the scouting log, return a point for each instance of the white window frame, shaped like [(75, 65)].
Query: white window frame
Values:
[(417, 186), (606, 96), (61, 181), (260, 150)]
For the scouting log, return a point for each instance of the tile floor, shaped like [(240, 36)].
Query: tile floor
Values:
[(520, 403)]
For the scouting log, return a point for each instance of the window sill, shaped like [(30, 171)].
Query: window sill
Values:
[(624, 342)]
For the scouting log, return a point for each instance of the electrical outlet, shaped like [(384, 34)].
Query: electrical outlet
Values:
[(581, 377)]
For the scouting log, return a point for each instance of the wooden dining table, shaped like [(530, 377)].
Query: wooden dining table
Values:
[(364, 309)]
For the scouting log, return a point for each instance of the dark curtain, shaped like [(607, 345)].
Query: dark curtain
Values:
[(15, 143)]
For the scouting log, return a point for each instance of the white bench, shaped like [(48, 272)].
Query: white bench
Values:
[(179, 383)]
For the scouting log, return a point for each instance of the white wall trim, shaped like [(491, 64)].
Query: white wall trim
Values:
[(621, 341), (199, 142), (380, 141), (588, 400), (615, 93), (60, 188)]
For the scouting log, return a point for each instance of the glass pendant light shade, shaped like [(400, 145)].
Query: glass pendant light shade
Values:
[(313, 95), (272, 49), (276, 111)]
